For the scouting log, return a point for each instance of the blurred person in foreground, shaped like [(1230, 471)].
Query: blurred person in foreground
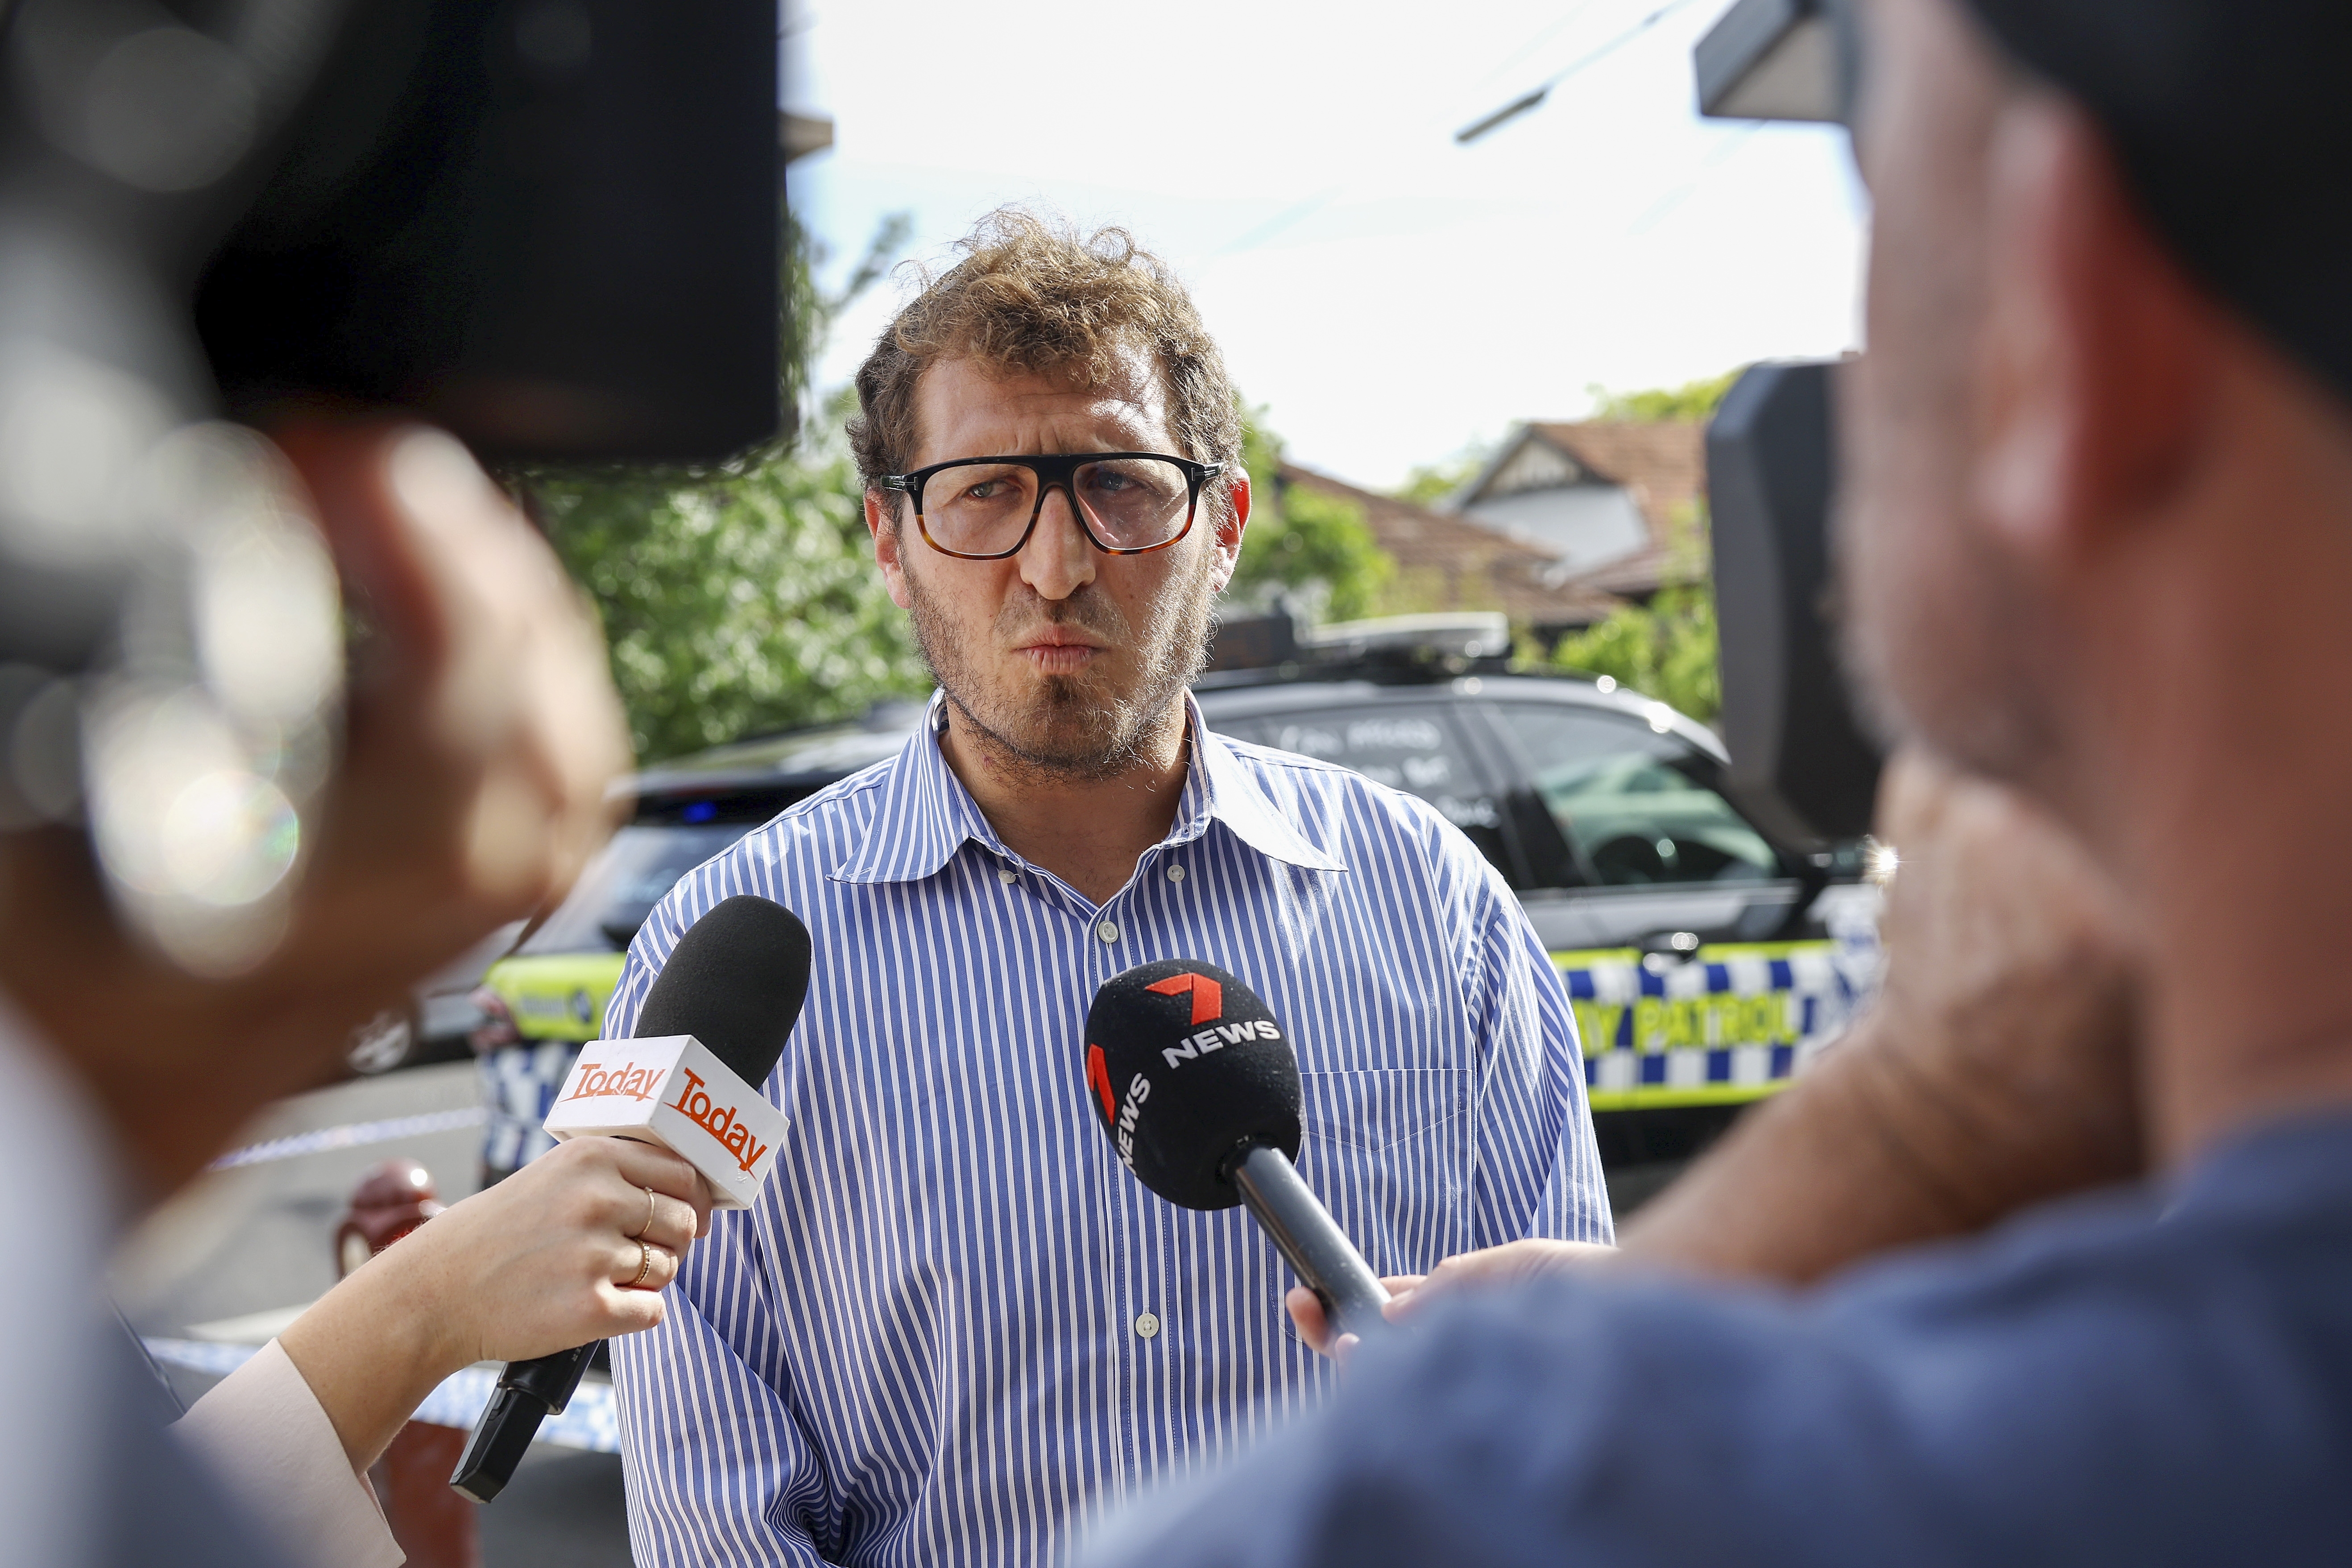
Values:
[(954, 1327), (2098, 539), (481, 730), (576, 1247)]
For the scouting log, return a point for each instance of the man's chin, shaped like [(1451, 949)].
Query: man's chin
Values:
[(1071, 732), (1079, 724)]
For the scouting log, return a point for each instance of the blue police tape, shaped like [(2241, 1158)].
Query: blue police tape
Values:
[(590, 1421), (350, 1135)]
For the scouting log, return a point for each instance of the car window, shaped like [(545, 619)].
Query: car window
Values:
[(1413, 748), (621, 885), (1633, 803)]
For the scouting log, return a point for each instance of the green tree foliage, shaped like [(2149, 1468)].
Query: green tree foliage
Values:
[(1694, 400), (1315, 550), (1664, 649), (744, 603), (744, 600)]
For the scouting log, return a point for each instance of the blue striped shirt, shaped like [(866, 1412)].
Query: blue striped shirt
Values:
[(953, 1329)]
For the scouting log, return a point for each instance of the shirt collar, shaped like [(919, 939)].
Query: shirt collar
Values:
[(925, 814), (1228, 793)]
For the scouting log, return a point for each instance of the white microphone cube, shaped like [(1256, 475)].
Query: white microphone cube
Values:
[(673, 1091)]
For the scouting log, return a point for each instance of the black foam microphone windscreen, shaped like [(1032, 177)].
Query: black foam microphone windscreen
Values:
[(735, 980), (1185, 1065)]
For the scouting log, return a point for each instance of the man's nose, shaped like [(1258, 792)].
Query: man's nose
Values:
[(1058, 560)]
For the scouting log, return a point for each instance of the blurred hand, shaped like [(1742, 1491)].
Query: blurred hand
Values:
[(2003, 1040), (546, 1260), (484, 729), (1306, 1312), (1410, 1294), (482, 732), (1996, 1071)]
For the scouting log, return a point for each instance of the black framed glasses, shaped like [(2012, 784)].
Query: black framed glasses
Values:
[(985, 509)]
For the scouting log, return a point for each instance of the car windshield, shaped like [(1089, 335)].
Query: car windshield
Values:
[(1624, 795), (622, 886)]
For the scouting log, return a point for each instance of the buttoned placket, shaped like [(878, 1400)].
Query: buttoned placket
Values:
[(1134, 1319), (1114, 943), (1118, 941)]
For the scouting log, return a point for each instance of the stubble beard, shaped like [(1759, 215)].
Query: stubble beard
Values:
[(1070, 729)]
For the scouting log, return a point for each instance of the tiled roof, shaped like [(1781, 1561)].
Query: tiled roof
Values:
[(1454, 564), (1662, 465), (1643, 573)]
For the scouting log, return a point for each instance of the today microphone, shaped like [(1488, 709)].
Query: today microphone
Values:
[(712, 1029), (1198, 1089)]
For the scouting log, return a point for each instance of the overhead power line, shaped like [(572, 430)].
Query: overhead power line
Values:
[(1534, 99)]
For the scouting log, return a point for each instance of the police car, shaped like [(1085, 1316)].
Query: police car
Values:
[(1704, 961)]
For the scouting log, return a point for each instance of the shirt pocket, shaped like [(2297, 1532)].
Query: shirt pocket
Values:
[(1388, 1151)]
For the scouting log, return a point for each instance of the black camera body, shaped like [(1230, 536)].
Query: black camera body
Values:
[(549, 226), (1802, 764)]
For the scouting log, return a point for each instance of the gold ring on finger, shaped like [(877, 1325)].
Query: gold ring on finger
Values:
[(644, 1264), (641, 1230)]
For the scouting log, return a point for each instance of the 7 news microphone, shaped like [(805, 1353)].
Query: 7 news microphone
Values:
[(712, 1029), (1198, 1088)]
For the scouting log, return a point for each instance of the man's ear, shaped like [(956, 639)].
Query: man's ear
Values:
[(1231, 521), (883, 525), (2098, 350)]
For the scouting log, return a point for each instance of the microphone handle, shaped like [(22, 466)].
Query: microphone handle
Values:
[(1325, 1261), (527, 1393)]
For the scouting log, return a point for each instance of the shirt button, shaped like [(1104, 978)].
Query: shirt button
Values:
[(1175, 873), (1147, 1325), (1007, 876), (1107, 932)]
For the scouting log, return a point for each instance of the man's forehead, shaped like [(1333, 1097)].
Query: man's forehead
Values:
[(963, 399)]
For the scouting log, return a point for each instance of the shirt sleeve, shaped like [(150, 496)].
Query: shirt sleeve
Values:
[(263, 1432), (719, 1468), (1539, 1169)]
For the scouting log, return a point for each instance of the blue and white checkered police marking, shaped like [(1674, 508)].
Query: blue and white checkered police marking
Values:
[(1734, 1022)]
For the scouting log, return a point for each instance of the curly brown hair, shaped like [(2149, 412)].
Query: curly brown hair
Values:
[(1032, 295)]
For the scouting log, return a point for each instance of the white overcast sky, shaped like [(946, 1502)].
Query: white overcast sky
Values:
[(1387, 295)]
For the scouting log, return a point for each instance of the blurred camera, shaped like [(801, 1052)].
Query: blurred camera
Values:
[(1800, 765), (551, 226)]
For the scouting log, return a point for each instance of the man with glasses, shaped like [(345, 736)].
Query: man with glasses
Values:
[(2098, 539), (954, 1328)]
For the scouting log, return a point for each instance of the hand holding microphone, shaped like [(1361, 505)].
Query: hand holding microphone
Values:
[(544, 1260), (711, 1030), (574, 1247), (1198, 1089)]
